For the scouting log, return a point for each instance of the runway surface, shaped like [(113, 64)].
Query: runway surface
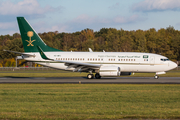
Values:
[(83, 80)]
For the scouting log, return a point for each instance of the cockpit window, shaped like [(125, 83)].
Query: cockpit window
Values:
[(164, 59)]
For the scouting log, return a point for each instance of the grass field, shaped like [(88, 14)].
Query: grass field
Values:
[(60, 73), (89, 101)]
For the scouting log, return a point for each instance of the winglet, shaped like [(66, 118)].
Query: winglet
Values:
[(90, 50), (42, 54)]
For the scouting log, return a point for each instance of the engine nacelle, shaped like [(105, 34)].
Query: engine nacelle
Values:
[(109, 71)]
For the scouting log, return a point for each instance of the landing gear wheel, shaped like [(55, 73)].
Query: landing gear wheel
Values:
[(97, 76), (156, 77), (90, 76)]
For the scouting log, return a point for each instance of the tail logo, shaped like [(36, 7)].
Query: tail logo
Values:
[(30, 34)]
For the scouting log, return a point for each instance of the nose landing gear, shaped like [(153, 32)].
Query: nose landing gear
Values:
[(156, 77)]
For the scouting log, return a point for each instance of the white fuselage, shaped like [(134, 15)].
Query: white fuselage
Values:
[(127, 61)]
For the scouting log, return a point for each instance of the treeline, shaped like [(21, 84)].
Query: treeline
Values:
[(163, 41)]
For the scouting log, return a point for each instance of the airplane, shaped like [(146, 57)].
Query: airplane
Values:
[(101, 63)]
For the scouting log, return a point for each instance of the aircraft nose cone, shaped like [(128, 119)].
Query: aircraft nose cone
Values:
[(173, 65)]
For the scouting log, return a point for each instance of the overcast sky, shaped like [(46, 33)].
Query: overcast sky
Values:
[(76, 15)]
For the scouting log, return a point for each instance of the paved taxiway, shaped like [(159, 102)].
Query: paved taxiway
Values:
[(83, 80)]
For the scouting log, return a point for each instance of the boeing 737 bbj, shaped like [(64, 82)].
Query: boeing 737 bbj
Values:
[(100, 63)]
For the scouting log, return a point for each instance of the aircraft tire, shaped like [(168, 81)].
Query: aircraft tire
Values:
[(156, 77), (97, 76), (90, 76)]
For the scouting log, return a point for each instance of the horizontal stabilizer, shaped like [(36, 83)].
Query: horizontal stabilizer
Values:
[(25, 54)]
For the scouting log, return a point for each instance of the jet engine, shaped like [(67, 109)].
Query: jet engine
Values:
[(109, 71), (112, 71)]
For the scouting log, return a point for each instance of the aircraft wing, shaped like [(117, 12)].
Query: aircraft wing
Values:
[(29, 55), (78, 66)]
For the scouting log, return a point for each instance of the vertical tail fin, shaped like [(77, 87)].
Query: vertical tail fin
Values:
[(30, 38)]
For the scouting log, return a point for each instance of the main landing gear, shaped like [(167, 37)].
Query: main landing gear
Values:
[(91, 76), (97, 76)]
